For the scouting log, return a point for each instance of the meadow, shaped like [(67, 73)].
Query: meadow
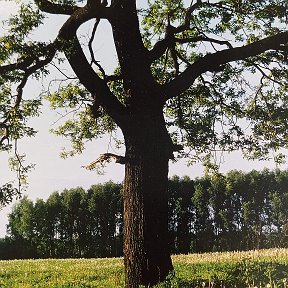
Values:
[(259, 268)]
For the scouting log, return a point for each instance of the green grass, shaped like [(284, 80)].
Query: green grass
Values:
[(263, 268)]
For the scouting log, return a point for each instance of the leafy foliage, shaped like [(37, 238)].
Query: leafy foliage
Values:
[(83, 126), (20, 58), (210, 113), (7, 192)]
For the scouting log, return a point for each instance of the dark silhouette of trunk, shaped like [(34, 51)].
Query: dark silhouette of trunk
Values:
[(146, 250)]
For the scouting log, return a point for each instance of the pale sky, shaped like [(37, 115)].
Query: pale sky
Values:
[(53, 173)]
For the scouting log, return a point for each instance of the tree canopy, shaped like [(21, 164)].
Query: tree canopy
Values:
[(214, 64)]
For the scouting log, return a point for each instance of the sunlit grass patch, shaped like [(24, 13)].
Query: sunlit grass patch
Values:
[(259, 268), (62, 273)]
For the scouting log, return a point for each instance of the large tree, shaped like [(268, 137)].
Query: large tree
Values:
[(206, 74)]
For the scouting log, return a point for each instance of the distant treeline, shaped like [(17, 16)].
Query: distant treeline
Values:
[(237, 211)]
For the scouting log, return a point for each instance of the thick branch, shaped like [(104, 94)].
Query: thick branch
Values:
[(52, 8), (78, 61), (131, 52), (24, 63), (189, 12), (111, 78), (212, 62), (90, 11), (160, 48), (171, 31), (21, 64)]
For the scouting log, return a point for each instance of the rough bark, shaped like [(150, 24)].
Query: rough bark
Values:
[(147, 256)]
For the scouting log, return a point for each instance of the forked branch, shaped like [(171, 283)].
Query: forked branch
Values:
[(170, 38), (82, 68)]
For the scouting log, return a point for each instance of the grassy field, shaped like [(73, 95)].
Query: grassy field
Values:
[(261, 268)]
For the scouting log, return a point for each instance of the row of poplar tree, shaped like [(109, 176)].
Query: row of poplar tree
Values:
[(237, 211)]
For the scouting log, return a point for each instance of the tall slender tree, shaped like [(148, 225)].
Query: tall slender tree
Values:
[(104, 205), (189, 73), (54, 207)]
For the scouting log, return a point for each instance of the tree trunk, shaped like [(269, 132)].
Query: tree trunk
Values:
[(146, 249)]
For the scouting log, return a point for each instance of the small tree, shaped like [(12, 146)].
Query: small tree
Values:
[(190, 73)]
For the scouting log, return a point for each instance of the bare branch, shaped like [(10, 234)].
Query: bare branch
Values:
[(92, 39), (203, 38), (169, 41), (93, 60), (61, 72), (106, 157), (265, 75)]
